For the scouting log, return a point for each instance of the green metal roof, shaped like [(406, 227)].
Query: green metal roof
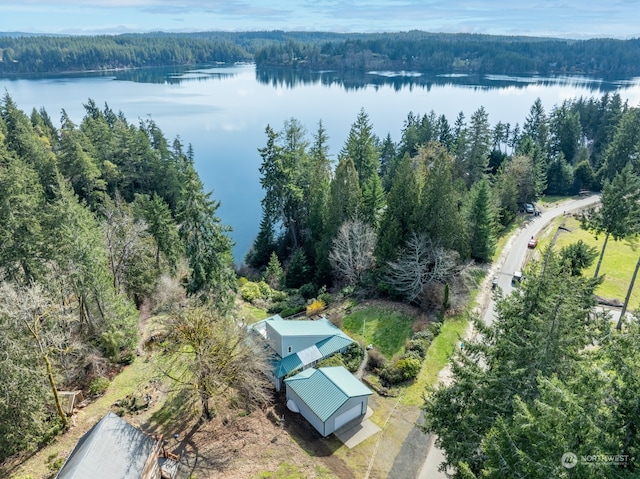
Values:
[(324, 390), (335, 340), (346, 381), (333, 344), (304, 327)]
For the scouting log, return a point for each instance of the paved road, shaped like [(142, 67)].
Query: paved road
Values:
[(512, 260), (516, 249)]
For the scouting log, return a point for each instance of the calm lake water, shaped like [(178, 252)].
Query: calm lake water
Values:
[(223, 112)]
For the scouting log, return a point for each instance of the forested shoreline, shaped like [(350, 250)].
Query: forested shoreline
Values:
[(414, 50)]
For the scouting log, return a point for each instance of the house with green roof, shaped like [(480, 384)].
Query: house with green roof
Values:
[(298, 344), (329, 398)]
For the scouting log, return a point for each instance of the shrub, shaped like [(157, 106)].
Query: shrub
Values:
[(242, 281), (410, 367), (353, 357), (335, 360), (54, 464), (326, 298), (434, 328), (265, 289), (290, 311), (425, 335), (315, 307), (98, 386), (278, 296), (250, 291), (347, 292), (412, 355), (418, 346), (375, 360), (277, 308), (391, 375), (307, 291)]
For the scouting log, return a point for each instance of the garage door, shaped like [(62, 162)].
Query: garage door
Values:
[(348, 415)]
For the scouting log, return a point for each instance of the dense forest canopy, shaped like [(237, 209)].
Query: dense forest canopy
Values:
[(413, 50), (97, 218)]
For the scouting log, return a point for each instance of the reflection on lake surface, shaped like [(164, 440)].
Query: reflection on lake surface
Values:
[(403, 79), (222, 111)]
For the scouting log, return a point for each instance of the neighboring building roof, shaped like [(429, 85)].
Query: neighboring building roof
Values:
[(324, 390), (112, 449)]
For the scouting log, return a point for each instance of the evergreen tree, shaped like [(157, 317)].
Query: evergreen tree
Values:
[(388, 162), (566, 132), (400, 217), (624, 147), (264, 245), (160, 224), (441, 202), (479, 147), (297, 272), (481, 222), (274, 274), (536, 126), (542, 330), (361, 148), (207, 245), (372, 201), (319, 190)]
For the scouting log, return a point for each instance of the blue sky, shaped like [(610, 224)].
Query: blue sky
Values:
[(557, 18)]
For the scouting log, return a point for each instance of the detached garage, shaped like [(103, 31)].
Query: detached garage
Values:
[(328, 398)]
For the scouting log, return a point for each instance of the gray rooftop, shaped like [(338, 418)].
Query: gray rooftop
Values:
[(112, 449)]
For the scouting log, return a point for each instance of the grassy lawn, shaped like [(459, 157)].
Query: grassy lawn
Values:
[(386, 329), (291, 471), (618, 263), (437, 357), (250, 313), (553, 200)]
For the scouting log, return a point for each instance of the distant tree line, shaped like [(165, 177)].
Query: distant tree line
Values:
[(462, 53), (414, 50), (49, 54)]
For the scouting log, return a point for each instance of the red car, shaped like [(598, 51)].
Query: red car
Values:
[(532, 242)]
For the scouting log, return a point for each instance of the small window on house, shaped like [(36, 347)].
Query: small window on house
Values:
[(289, 349)]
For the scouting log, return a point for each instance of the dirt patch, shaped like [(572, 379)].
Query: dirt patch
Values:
[(233, 446)]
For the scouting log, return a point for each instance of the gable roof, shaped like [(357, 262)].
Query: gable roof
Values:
[(303, 327), (112, 449), (333, 340), (324, 390)]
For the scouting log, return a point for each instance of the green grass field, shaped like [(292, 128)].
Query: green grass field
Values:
[(619, 261), (385, 328)]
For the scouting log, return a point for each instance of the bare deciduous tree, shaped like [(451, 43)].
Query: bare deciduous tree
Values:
[(421, 263), (124, 236), (31, 309), (352, 252), (216, 359)]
